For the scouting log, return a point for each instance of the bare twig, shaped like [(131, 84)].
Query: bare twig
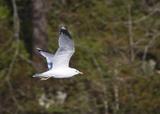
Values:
[(130, 30), (16, 37), (28, 61), (116, 94), (151, 42), (99, 69), (143, 18), (4, 45), (153, 10), (116, 90)]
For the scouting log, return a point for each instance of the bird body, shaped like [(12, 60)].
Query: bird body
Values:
[(58, 63), (58, 73)]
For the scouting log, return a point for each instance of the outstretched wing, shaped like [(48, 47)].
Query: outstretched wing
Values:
[(49, 57), (65, 50)]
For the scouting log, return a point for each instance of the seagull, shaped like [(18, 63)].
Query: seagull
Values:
[(58, 63)]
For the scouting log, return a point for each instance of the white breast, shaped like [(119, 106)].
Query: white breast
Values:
[(63, 73)]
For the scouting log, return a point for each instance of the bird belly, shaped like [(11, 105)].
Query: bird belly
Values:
[(63, 73)]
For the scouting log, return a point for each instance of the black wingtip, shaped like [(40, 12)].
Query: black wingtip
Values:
[(64, 30), (39, 49)]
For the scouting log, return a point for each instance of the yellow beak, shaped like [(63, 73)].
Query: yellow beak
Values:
[(80, 72)]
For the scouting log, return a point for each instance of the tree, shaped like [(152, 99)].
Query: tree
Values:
[(39, 29)]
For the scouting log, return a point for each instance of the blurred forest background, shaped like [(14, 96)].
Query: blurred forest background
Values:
[(117, 48)]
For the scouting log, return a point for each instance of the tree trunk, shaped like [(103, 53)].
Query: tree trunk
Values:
[(39, 21)]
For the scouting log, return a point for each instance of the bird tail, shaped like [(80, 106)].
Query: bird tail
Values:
[(41, 75)]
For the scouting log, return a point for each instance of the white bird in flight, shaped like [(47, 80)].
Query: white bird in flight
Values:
[(58, 63)]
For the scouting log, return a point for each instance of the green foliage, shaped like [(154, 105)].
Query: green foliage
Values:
[(3, 13), (100, 29)]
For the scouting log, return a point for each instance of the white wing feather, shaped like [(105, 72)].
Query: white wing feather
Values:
[(65, 50)]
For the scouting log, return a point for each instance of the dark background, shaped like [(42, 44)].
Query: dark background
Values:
[(117, 47)]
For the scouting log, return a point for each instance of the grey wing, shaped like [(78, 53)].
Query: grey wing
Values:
[(65, 50), (48, 56)]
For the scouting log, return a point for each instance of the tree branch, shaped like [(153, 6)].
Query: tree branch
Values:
[(16, 27), (130, 30)]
